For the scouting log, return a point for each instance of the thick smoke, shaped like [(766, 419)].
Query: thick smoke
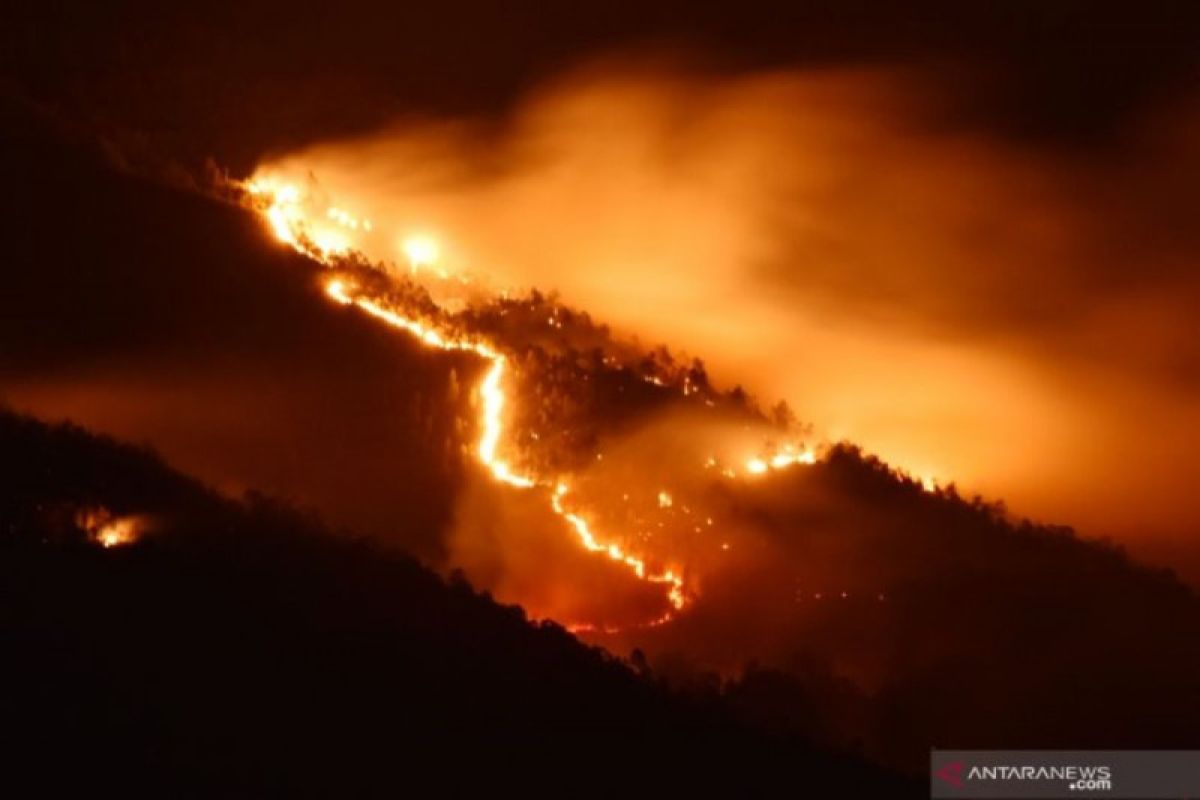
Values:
[(1015, 320)]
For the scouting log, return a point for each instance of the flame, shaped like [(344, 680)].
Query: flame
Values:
[(789, 456), (284, 208), (284, 213), (421, 251), (489, 390), (675, 594), (108, 530), (328, 237)]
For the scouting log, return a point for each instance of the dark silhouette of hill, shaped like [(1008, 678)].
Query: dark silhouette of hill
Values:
[(240, 649)]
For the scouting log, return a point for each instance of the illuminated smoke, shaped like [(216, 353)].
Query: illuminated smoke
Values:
[(824, 237), (841, 239), (492, 394), (324, 238)]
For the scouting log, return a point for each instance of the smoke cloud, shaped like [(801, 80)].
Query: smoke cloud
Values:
[(1016, 320)]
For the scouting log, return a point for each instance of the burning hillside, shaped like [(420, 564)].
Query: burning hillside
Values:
[(556, 392), (850, 604), (731, 534)]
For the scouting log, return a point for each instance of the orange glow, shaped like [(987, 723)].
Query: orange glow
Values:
[(108, 530), (421, 251), (815, 238), (788, 456), (283, 211)]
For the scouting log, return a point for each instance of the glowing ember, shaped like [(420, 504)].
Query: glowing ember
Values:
[(788, 457), (107, 530)]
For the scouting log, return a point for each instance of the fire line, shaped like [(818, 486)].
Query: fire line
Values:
[(286, 219), (328, 240)]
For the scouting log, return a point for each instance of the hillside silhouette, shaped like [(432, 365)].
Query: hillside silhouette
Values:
[(241, 648), (899, 619)]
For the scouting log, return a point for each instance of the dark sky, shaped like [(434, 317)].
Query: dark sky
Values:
[(233, 80)]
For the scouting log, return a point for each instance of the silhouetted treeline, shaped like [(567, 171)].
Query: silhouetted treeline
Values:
[(239, 649)]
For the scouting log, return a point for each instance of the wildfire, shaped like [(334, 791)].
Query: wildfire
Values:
[(108, 530), (789, 456), (489, 389), (283, 209), (421, 251)]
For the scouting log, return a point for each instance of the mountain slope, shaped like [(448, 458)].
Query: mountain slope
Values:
[(879, 615), (240, 647)]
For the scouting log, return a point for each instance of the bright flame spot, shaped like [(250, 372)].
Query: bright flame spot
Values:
[(421, 251), (331, 243), (337, 290), (788, 457), (108, 530), (664, 500)]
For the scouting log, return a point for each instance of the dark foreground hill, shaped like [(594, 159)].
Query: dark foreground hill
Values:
[(239, 649)]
